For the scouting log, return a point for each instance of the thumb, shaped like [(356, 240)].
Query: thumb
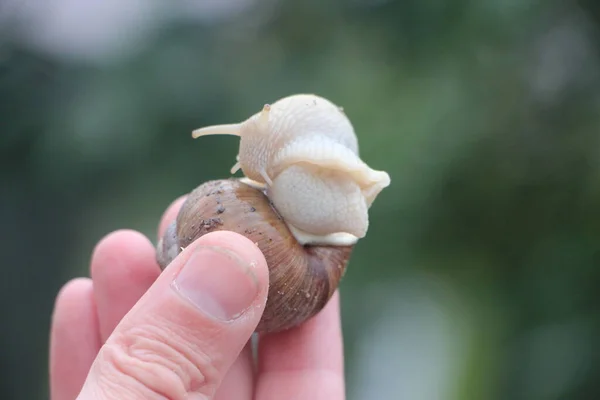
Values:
[(182, 336)]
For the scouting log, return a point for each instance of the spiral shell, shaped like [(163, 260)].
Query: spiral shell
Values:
[(302, 279)]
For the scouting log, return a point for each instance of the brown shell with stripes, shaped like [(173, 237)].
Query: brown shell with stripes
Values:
[(302, 279)]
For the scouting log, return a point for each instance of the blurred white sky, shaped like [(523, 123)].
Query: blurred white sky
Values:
[(100, 30)]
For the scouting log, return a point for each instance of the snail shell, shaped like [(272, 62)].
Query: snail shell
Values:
[(302, 279)]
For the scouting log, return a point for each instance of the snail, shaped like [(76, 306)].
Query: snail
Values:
[(304, 201)]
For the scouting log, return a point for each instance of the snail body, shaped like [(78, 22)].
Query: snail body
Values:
[(303, 151), (304, 201)]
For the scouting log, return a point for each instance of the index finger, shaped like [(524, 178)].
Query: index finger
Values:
[(306, 362)]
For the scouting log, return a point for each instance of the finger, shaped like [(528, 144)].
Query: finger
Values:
[(306, 362), (123, 267), (238, 383), (188, 329), (74, 340), (170, 215)]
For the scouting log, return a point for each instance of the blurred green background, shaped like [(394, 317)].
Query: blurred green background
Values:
[(478, 277)]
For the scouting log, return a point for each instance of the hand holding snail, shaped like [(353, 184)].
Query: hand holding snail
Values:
[(304, 201)]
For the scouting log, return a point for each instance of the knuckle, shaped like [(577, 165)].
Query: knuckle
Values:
[(158, 362)]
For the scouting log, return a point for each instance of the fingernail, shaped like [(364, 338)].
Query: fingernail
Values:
[(218, 282)]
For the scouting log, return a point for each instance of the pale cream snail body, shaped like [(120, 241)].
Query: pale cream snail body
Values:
[(304, 201)]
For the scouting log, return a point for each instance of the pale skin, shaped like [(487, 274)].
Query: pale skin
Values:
[(124, 333)]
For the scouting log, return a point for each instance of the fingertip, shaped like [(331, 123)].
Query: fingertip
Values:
[(123, 267), (73, 289), (75, 284), (68, 302), (120, 244), (243, 247), (170, 214), (246, 252)]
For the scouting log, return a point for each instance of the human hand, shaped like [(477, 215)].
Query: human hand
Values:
[(131, 332)]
